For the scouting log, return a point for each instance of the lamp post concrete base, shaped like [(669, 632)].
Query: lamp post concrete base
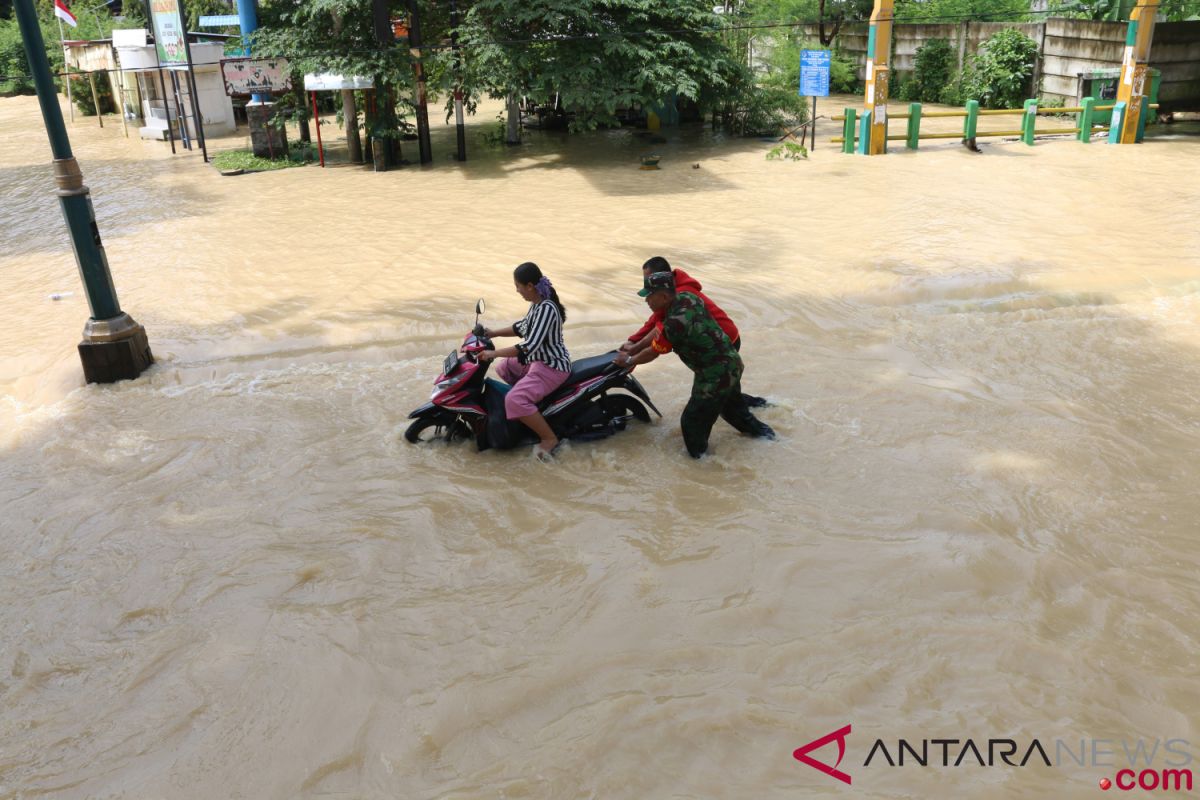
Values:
[(268, 139), (114, 350)]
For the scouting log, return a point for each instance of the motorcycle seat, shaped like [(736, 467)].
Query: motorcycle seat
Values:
[(586, 368)]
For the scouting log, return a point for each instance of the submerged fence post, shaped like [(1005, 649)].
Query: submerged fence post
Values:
[(1085, 119), (971, 124), (914, 125), (848, 131), (864, 133), (1118, 117), (1029, 122)]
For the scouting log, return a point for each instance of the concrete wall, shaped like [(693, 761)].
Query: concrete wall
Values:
[(1073, 46), (1067, 46), (1176, 52)]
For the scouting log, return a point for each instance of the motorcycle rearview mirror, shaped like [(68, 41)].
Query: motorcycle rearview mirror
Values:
[(480, 307)]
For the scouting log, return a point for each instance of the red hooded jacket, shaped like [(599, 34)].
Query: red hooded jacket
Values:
[(686, 283)]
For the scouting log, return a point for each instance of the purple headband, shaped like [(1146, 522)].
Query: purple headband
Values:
[(544, 288)]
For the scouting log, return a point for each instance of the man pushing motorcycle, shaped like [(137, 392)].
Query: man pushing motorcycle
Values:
[(690, 330)]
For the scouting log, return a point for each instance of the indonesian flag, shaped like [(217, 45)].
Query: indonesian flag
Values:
[(62, 12)]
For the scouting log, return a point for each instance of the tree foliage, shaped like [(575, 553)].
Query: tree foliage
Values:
[(952, 11), (599, 56), (1119, 10)]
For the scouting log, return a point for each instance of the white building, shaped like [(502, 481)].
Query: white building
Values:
[(216, 109)]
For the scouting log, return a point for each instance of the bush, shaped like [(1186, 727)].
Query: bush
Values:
[(81, 93), (769, 109), (933, 72), (843, 74), (1000, 74)]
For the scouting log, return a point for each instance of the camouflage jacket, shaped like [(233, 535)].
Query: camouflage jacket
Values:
[(701, 345)]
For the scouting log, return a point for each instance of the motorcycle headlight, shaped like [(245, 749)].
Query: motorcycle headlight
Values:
[(449, 383)]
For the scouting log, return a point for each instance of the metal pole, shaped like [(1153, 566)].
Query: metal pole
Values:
[(247, 11), (162, 81), (62, 43), (184, 136), (114, 347), (191, 76), (317, 125), (814, 125), (460, 123)]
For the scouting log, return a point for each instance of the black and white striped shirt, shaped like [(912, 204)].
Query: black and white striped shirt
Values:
[(542, 330)]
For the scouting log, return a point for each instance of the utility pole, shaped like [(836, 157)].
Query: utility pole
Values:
[(414, 38), (879, 48), (459, 122), (1135, 72), (114, 346)]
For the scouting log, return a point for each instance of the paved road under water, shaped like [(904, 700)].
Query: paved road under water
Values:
[(232, 578)]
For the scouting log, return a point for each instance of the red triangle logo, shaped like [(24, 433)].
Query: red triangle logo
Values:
[(839, 736)]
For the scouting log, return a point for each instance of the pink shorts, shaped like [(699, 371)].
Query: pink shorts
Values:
[(530, 383)]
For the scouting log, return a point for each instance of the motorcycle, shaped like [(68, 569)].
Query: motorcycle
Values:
[(597, 400)]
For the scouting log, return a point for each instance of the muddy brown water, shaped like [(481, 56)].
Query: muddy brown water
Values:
[(232, 578)]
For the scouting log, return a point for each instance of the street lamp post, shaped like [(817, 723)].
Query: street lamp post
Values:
[(114, 346)]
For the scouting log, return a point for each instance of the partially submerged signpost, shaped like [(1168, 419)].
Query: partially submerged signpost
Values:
[(256, 78), (814, 82)]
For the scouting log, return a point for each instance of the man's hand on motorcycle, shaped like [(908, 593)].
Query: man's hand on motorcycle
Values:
[(624, 361), (626, 347)]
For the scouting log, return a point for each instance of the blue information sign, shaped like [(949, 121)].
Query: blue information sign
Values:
[(814, 73)]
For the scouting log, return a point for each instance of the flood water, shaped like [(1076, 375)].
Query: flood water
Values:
[(233, 578)]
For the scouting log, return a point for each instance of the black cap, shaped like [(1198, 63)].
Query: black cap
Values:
[(657, 282)]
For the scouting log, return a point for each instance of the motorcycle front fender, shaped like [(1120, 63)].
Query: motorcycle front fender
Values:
[(423, 411)]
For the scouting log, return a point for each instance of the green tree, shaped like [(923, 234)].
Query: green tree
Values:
[(306, 33), (1119, 10), (598, 56), (828, 15)]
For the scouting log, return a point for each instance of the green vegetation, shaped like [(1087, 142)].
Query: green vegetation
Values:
[(246, 160), (934, 71), (597, 57), (788, 151), (952, 11), (1001, 73), (1119, 10)]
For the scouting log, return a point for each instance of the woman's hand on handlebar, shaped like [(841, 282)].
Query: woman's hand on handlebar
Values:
[(492, 333), (486, 356)]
